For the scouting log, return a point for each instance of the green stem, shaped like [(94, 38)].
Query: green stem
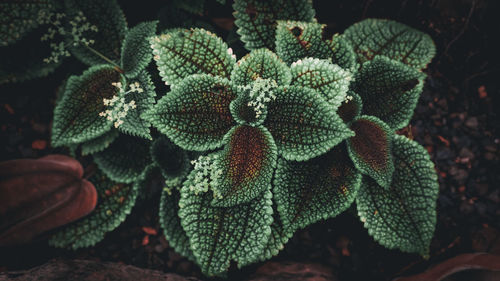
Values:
[(117, 67)]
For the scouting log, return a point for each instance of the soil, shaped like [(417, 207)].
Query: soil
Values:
[(456, 120)]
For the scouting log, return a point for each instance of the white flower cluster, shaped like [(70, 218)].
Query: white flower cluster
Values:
[(348, 98), (260, 94), (205, 175), (119, 108), (78, 26)]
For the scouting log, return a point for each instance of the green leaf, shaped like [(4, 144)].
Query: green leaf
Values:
[(297, 40), (372, 37), (303, 124), (110, 21), (389, 90), (256, 20), (115, 201), (221, 235), (351, 107), (245, 165), (277, 239), (125, 159), (370, 149), (76, 116), (133, 123), (404, 215), (170, 222), (195, 115), (100, 143), (343, 53), (328, 79), (181, 53), (171, 159), (322, 188), (260, 63), (136, 51), (17, 18)]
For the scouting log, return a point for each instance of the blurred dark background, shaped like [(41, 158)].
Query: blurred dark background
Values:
[(456, 120)]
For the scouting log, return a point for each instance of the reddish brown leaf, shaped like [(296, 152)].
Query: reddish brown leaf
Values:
[(39, 195)]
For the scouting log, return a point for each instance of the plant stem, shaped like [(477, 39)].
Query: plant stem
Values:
[(117, 67)]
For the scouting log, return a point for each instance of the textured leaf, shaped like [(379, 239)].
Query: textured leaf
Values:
[(17, 18), (322, 188), (403, 216), (246, 164), (42, 194), (260, 63), (277, 239), (303, 124), (181, 53), (195, 115), (389, 90), (100, 143), (19, 62), (297, 40), (76, 116), (125, 159), (115, 201), (343, 53), (136, 51), (111, 24), (328, 79), (370, 149), (171, 159), (171, 223), (256, 20), (372, 37), (351, 107), (221, 235), (133, 123)]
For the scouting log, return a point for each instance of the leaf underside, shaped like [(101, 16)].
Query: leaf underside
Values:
[(195, 115), (221, 235), (260, 63), (256, 20), (322, 188), (115, 201), (328, 79), (303, 124), (404, 215), (125, 159), (247, 164), (370, 149), (184, 52), (389, 90), (76, 116), (111, 25), (136, 51), (372, 37)]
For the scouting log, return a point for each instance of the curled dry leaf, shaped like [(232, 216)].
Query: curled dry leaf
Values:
[(39, 195)]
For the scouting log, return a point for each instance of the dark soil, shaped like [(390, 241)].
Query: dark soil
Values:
[(456, 120)]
